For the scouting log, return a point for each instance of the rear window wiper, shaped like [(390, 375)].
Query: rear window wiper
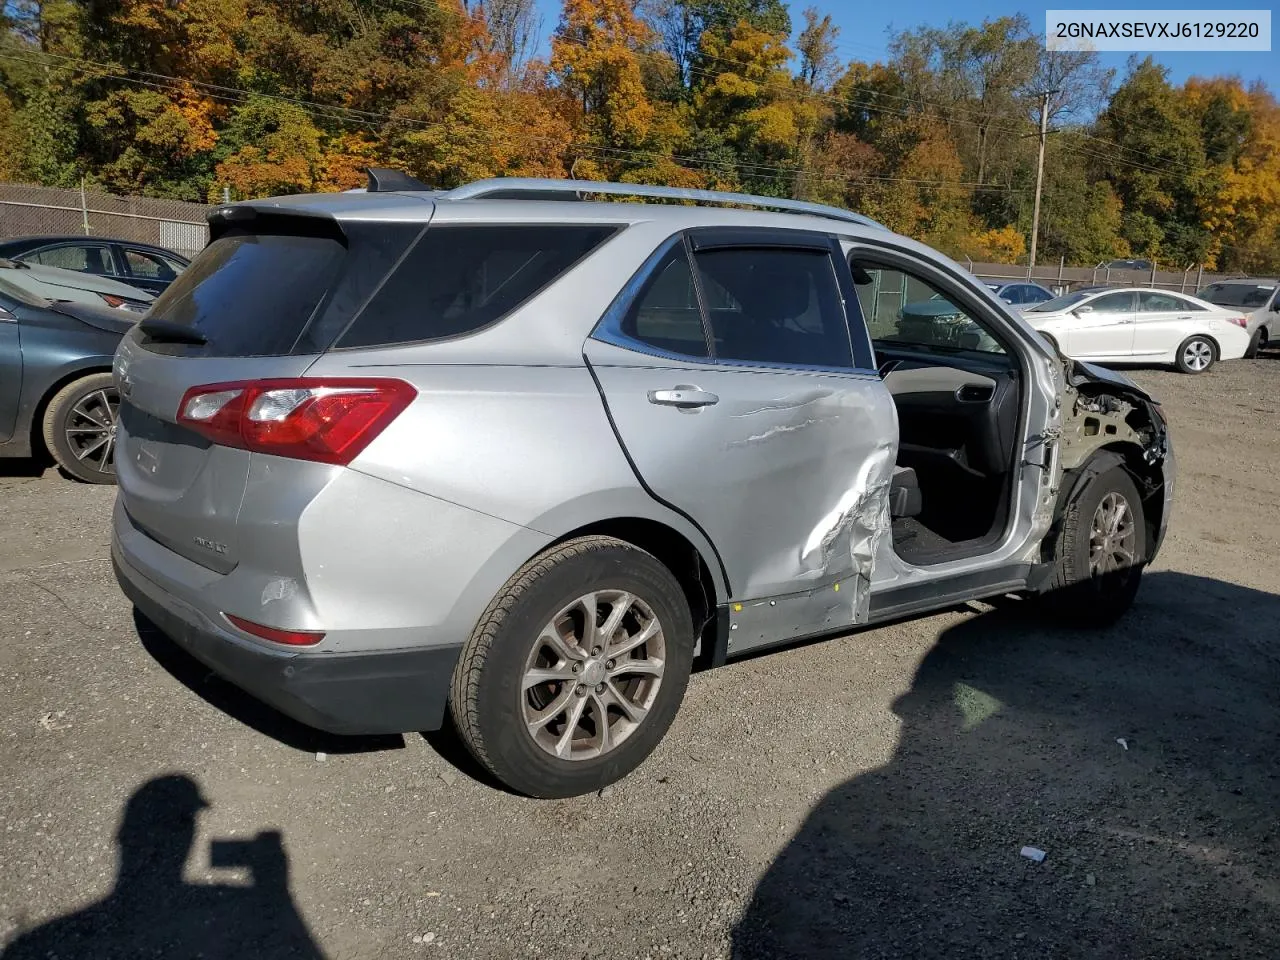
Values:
[(167, 331)]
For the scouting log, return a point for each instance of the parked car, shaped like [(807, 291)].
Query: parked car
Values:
[(1258, 299), (387, 454), (1019, 293), (141, 265), (1129, 265), (52, 283), (56, 391), (1140, 325)]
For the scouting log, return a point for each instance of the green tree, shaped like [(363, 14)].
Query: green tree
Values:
[(1154, 160)]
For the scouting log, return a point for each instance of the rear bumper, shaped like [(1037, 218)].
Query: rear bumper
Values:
[(397, 691)]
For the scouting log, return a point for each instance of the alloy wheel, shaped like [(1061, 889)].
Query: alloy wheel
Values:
[(593, 675), (90, 430), (1197, 355), (1113, 537)]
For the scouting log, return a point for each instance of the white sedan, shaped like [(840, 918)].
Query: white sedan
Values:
[(1138, 325)]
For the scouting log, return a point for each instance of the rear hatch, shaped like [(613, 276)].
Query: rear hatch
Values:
[(263, 300)]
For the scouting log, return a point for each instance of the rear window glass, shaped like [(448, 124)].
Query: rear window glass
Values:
[(1237, 294), (253, 294), (458, 279)]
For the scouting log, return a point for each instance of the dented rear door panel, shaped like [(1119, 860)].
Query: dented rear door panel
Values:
[(787, 472)]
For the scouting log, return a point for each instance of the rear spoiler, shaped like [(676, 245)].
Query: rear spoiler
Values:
[(382, 180), (267, 217)]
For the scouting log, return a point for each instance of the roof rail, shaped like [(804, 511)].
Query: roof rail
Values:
[(529, 188)]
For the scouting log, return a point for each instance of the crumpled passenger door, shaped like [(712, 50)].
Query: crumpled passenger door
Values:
[(786, 467)]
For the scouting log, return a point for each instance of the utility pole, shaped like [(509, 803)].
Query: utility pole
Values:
[(1035, 210)]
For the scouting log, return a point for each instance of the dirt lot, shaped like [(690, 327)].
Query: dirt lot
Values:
[(863, 797)]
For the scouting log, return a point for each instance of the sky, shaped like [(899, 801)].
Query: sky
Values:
[(865, 30)]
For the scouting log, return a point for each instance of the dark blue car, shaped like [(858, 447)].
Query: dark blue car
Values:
[(141, 265), (56, 391)]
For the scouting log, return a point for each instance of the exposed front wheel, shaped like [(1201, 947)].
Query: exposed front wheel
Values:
[(80, 428), (1196, 355), (1100, 550), (576, 670)]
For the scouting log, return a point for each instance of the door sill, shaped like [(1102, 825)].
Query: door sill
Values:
[(915, 598)]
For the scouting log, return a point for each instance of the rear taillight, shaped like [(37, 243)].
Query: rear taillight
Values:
[(292, 638), (120, 303), (1241, 322), (322, 419)]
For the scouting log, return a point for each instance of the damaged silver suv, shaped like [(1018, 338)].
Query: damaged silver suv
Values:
[(501, 453)]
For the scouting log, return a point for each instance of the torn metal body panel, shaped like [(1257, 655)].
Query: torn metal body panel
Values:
[(787, 472)]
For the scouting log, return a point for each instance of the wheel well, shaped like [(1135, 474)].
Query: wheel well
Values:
[(1150, 482), (673, 550), (1217, 347), (37, 417)]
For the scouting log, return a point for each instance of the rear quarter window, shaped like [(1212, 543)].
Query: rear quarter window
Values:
[(458, 279)]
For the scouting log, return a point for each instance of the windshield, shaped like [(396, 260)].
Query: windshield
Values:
[(1238, 294), (1064, 302)]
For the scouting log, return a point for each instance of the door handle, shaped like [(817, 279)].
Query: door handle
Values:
[(1185, 317), (683, 396)]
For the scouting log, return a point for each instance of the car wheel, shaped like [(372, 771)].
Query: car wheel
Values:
[(1255, 344), (576, 669), (80, 428), (1196, 355), (1100, 549)]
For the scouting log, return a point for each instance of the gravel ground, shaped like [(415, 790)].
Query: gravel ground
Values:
[(863, 797)]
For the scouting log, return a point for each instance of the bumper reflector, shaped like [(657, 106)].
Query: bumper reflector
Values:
[(291, 638)]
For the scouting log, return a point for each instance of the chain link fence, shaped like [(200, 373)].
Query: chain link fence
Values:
[(27, 210), (1063, 279)]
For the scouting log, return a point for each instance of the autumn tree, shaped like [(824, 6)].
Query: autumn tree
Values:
[(816, 45), (596, 56)]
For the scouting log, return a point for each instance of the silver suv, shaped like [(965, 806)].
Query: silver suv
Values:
[(495, 452)]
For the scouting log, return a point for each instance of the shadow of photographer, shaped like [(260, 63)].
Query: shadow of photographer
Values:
[(153, 912)]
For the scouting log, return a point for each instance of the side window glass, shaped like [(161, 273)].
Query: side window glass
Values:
[(1113, 303), (901, 308), (1036, 295), (459, 279), (775, 305), (89, 259), (1016, 295), (666, 314), (1152, 302), (148, 266)]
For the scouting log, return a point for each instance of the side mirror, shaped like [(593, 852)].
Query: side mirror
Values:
[(1006, 300), (1082, 311)]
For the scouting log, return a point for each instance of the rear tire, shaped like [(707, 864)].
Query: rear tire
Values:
[(1196, 354), (536, 679), (80, 428), (1097, 573)]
